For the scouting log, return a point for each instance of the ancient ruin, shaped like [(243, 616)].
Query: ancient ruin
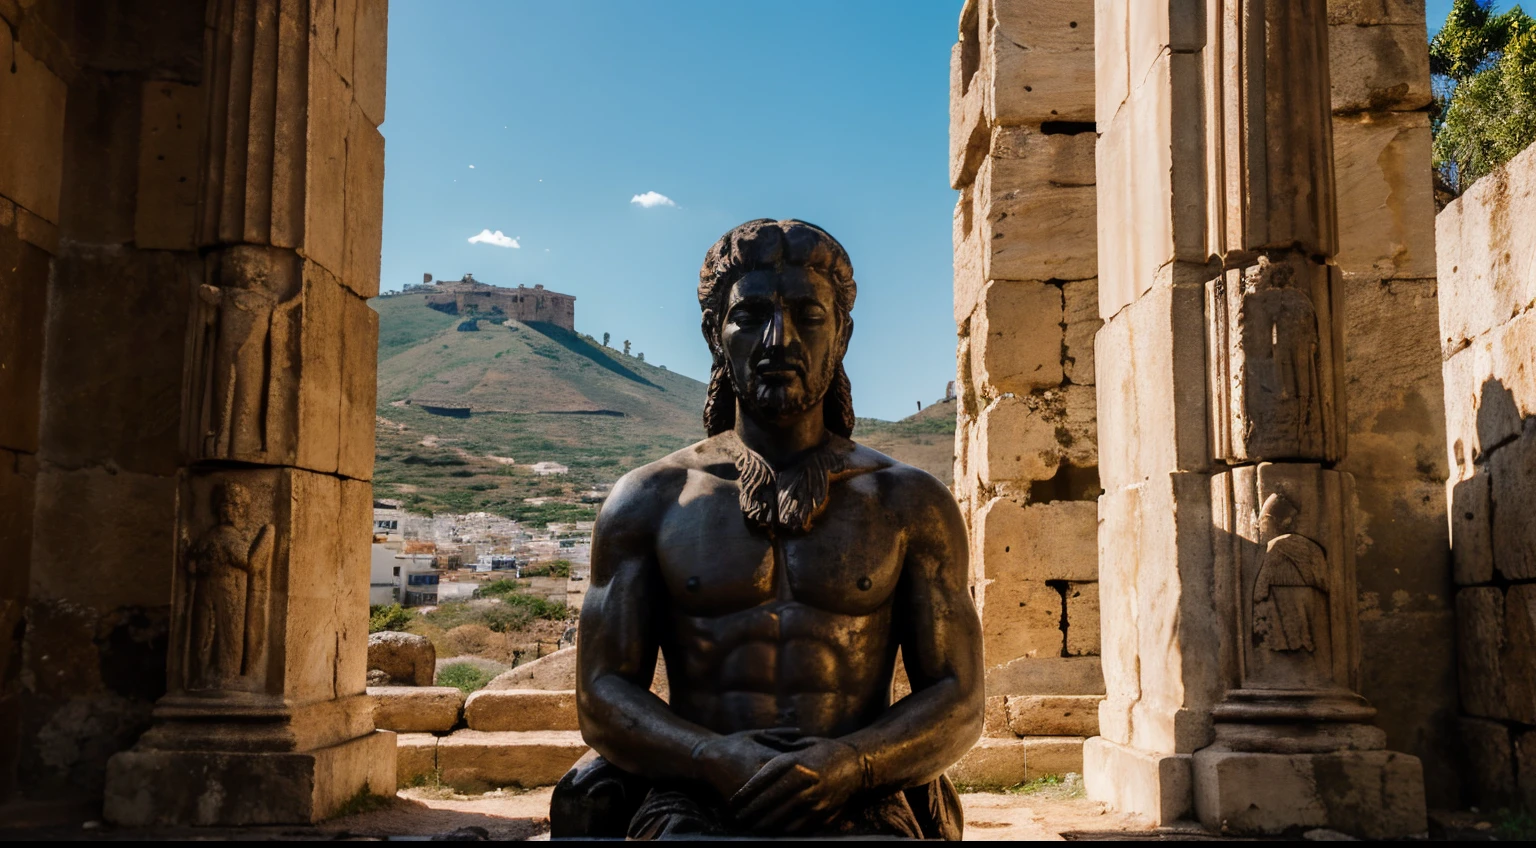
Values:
[(1244, 436), (470, 296)]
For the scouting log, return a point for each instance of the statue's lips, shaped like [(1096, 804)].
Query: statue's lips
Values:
[(778, 371)]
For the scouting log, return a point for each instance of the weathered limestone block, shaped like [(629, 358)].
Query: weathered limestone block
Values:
[(320, 387), (996, 763), (32, 134), (1034, 230), (1157, 615), (551, 671), (967, 120), (178, 788), (408, 659), (1155, 28), (1039, 65), (1513, 471), (471, 759), (1483, 283), (23, 309), (1490, 761), (122, 406), (994, 717), (1111, 48), (521, 709), (1471, 531), (371, 37), (1016, 338), (1396, 408), (415, 758), (1082, 619), (1038, 542), (1080, 312), (1519, 660), (1369, 794), (1053, 715), (1029, 437), (1480, 638), (416, 709), (1375, 12), (1385, 202), (365, 201), (1525, 767), (1022, 618), (1158, 786), (1378, 68), (1151, 185), (318, 549), (968, 259), (325, 168), (173, 126), (1047, 676), (359, 386), (1151, 385), (102, 540)]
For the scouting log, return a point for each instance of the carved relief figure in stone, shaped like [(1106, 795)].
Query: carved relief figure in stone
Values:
[(777, 567), (1281, 352), (228, 566), (243, 343), (1291, 590)]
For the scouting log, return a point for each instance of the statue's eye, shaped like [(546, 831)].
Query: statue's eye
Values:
[(746, 315), (813, 314)]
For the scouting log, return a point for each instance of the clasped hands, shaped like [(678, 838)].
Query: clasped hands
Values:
[(780, 781)]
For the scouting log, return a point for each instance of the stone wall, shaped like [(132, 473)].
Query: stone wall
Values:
[(1487, 271), (1026, 306), (522, 303), (1379, 69)]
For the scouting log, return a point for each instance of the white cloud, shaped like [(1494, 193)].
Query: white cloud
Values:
[(471, 167), (651, 199), (497, 238)]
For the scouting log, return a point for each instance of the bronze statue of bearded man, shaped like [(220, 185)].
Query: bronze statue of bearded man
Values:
[(779, 568)]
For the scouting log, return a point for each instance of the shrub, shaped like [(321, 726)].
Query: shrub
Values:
[(392, 617), (464, 677), (471, 639)]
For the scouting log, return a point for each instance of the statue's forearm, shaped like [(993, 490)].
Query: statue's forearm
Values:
[(918, 737), (637, 731)]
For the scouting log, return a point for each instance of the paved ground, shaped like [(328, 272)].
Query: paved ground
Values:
[(1050, 814)]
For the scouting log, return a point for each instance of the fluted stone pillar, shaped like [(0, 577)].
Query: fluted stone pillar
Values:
[(265, 719), (1231, 634)]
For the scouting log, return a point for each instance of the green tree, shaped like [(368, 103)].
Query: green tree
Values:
[(391, 617), (1485, 90)]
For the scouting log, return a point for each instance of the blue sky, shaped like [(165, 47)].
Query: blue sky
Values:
[(835, 112)]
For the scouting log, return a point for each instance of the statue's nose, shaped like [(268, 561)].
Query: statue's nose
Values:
[(777, 333)]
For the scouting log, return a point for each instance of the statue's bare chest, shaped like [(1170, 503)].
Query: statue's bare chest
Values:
[(713, 563)]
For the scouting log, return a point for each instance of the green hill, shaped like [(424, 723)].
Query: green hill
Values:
[(463, 414)]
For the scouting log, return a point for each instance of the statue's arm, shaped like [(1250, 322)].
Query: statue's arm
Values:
[(929, 730), (620, 717)]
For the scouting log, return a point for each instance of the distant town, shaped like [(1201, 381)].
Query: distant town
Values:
[(422, 560)]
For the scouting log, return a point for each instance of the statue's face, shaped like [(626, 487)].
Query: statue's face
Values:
[(783, 339)]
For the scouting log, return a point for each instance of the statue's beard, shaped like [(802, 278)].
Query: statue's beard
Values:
[(783, 400)]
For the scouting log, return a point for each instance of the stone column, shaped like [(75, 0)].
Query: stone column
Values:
[(265, 718), (1231, 631), (1026, 294)]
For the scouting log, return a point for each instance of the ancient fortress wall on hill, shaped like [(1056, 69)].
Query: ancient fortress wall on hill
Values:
[(521, 303)]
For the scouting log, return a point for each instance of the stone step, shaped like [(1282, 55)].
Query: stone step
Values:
[(416, 709), (521, 710), (476, 760), (1000, 762)]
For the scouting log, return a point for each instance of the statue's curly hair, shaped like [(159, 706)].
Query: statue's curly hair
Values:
[(766, 243)]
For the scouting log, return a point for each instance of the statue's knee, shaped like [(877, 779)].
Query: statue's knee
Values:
[(595, 799)]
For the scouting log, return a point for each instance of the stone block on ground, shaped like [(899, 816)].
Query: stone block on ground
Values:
[(521, 709), (1366, 794), (1155, 785), (1053, 715), (996, 762), (415, 758), (416, 709), (551, 671), (1489, 753), (476, 760)]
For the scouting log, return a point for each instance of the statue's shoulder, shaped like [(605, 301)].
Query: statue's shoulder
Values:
[(660, 481)]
